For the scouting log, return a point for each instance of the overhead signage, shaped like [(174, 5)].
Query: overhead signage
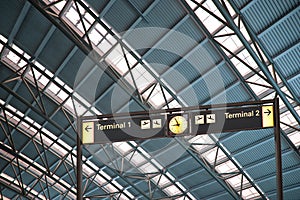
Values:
[(233, 119), (267, 116), (108, 130), (167, 123)]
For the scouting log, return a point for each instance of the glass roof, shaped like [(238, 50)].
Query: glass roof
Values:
[(132, 71)]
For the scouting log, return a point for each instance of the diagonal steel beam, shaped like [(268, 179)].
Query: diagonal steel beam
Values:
[(263, 65), (57, 126), (8, 134), (255, 57), (139, 60), (5, 186), (12, 92), (215, 44), (84, 46), (254, 37), (46, 173), (12, 152)]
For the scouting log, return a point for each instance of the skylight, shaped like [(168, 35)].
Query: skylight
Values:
[(214, 154), (59, 5), (104, 43), (72, 14), (236, 181)]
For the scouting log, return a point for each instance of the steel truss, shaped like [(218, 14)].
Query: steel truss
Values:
[(48, 119), (215, 176), (220, 4), (258, 57), (11, 149), (84, 43), (261, 62), (173, 95), (72, 33), (226, 186)]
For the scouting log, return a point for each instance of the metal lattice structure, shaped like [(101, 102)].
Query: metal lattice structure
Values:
[(63, 59)]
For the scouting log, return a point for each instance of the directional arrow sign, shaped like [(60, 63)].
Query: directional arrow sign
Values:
[(103, 130), (87, 132), (232, 119), (268, 117), (172, 123), (268, 112), (87, 128)]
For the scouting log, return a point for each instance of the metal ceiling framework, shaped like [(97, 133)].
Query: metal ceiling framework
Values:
[(39, 120)]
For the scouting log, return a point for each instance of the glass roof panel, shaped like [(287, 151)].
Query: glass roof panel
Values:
[(100, 38), (250, 193)]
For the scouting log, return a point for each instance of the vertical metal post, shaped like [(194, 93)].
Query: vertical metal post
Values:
[(278, 151), (79, 161)]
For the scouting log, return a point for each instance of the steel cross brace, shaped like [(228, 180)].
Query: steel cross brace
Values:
[(82, 45), (49, 174), (10, 151), (240, 77), (226, 186), (48, 118), (261, 65), (255, 38)]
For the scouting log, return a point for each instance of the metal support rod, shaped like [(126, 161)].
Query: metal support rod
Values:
[(262, 47), (83, 45), (260, 64), (278, 150), (79, 162), (29, 163), (139, 60)]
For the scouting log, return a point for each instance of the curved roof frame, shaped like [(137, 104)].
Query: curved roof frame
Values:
[(261, 57), (88, 44), (40, 111), (173, 95), (156, 78), (36, 68), (262, 66), (221, 147)]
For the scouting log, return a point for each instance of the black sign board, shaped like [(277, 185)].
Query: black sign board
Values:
[(234, 119), (108, 130), (180, 123)]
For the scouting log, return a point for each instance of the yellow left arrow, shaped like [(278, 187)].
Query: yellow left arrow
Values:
[(87, 132)]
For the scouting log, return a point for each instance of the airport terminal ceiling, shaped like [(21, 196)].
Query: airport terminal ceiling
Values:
[(66, 59)]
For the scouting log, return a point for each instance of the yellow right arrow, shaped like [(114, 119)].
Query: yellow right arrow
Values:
[(267, 116)]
